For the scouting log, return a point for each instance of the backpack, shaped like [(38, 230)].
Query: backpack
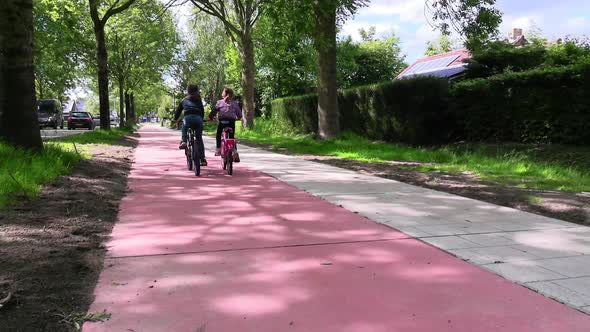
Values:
[(226, 111)]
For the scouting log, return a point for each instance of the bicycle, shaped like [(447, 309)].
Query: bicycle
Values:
[(228, 151), (193, 156)]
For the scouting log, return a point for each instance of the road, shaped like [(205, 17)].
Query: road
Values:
[(56, 133)]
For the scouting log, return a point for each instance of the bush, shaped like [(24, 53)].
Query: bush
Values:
[(412, 111), (500, 57), (543, 105), (295, 114)]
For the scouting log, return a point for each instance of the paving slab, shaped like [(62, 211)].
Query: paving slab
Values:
[(578, 285), (577, 266), (523, 272), (450, 242), (560, 293)]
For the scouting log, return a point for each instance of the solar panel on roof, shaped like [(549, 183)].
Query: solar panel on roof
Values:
[(431, 65), (440, 72)]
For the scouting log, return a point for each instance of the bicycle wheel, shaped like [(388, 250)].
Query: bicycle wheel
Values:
[(196, 157), (230, 164), (189, 159)]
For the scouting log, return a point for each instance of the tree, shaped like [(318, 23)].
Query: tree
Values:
[(444, 44), (210, 60), (378, 61), (110, 8), (369, 34), (239, 18), (327, 12), (141, 42), (18, 120), (325, 45), (476, 21), (62, 46), (370, 61), (291, 71)]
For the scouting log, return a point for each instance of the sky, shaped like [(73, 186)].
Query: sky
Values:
[(406, 18)]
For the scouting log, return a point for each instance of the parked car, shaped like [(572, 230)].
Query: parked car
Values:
[(114, 121), (96, 120), (50, 113), (80, 120)]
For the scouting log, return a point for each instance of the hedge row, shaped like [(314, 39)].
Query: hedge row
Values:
[(545, 105), (410, 111)]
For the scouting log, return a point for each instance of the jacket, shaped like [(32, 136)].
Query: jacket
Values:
[(189, 107)]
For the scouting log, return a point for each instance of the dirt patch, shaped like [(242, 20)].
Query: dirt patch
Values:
[(52, 247), (555, 204)]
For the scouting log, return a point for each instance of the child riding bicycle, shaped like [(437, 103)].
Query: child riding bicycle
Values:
[(227, 111), (192, 107)]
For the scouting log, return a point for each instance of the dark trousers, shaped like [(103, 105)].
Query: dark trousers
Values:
[(223, 124), (196, 122)]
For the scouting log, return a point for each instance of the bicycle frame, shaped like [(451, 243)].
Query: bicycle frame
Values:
[(228, 148)]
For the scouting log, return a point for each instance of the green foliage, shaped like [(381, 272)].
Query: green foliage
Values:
[(140, 47), (541, 105), (530, 166), (570, 51), (295, 114), (477, 21), (77, 319), (444, 44), (368, 62), (288, 72), (63, 46), (23, 172), (412, 111), (202, 58), (97, 136), (500, 57)]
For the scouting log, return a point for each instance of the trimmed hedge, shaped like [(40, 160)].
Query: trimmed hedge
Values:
[(295, 114), (412, 111), (544, 105)]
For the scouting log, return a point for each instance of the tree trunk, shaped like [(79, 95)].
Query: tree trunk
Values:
[(325, 45), (132, 103), (18, 116), (103, 76), (121, 102), (248, 76), (128, 108)]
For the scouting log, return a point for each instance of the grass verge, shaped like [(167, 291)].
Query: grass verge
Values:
[(23, 172), (547, 167)]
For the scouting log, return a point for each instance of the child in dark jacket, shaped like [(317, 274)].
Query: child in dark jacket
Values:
[(227, 111), (192, 107)]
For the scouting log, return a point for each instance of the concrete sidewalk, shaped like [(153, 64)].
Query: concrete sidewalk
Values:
[(251, 253)]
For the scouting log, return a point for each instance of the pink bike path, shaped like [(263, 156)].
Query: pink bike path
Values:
[(250, 253)]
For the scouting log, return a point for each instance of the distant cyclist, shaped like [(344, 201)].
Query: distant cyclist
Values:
[(192, 107), (227, 111)]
